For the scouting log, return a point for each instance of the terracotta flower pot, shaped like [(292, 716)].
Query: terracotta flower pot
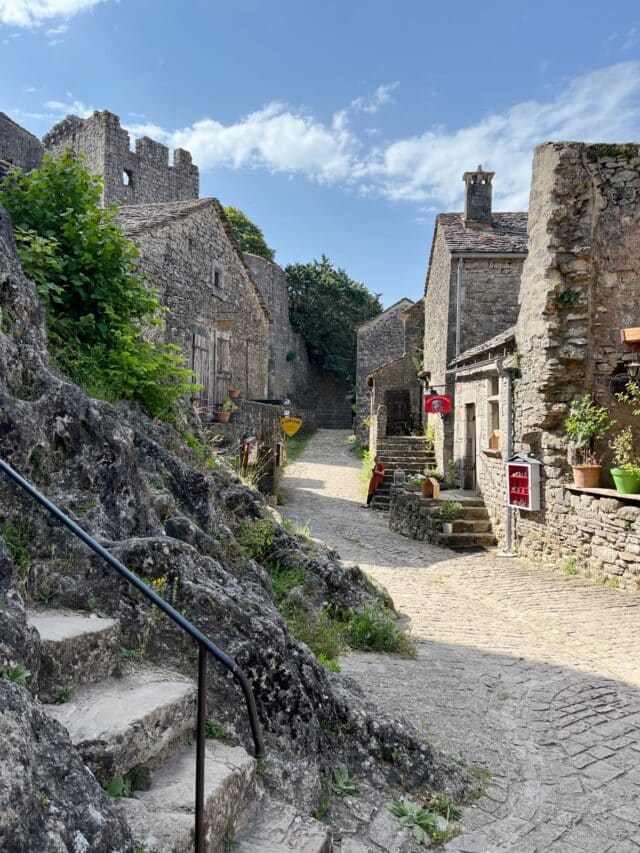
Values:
[(627, 483), (234, 393), (586, 476), (223, 417)]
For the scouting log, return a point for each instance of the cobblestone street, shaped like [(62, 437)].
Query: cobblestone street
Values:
[(521, 671)]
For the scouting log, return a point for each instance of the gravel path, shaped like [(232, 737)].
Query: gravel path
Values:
[(521, 671)]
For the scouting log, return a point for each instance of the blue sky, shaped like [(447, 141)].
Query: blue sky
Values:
[(340, 126)]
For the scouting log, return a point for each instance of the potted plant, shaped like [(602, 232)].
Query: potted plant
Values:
[(448, 512), (585, 425), (418, 481), (228, 408), (234, 393), (626, 474)]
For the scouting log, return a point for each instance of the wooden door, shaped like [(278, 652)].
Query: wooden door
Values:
[(223, 366), (398, 405), (203, 371), (470, 447)]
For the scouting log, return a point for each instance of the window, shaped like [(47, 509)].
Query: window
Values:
[(127, 178), (216, 279), (493, 412)]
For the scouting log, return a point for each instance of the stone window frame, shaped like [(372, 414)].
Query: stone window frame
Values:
[(217, 280)]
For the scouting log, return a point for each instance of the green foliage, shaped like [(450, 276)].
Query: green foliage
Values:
[(423, 822), (624, 455), (443, 804), (569, 566), (249, 236), (215, 731), (137, 779), (585, 425), (449, 510), (450, 478), (329, 664), (567, 299), (284, 579), (295, 444), (326, 307), (229, 840), (229, 406), (17, 535), (18, 674), (341, 784), (372, 629), (97, 303), (325, 799), (63, 695), (357, 447), (291, 355), (256, 537), (323, 635), (631, 396)]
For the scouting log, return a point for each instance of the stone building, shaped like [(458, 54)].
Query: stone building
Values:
[(580, 287), (217, 315), (18, 148), (471, 291), (380, 340), (143, 176), (289, 371), (395, 390)]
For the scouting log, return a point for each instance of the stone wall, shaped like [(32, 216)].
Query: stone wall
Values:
[(412, 515), (143, 176), (398, 374), (439, 335), (190, 257), (579, 287), (490, 288), (380, 340), (18, 147), (289, 370)]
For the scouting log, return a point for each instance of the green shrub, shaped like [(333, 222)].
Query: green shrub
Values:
[(256, 537), (372, 629), (97, 303), (324, 636), (284, 579)]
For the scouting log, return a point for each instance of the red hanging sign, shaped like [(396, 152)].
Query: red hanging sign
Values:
[(439, 404)]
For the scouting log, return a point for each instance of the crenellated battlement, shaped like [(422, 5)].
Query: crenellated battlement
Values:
[(142, 176)]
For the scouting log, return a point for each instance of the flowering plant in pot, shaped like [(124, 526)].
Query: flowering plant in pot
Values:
[(586, 424), (228, 408), (448, 512), (626, 474), (234, 393)]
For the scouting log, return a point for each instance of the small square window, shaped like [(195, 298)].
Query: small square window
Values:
[(217, 281)]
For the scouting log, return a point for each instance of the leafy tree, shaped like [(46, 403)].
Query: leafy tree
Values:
[(248, 235), (326, 308), (97, 302)]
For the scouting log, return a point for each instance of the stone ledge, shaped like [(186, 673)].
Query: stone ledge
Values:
[(604, 493)]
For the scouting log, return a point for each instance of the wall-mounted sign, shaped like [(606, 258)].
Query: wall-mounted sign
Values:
[(290, 426), (437, 404), (250, 451)]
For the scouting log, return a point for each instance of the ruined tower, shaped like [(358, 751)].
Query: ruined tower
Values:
[(143, 176)]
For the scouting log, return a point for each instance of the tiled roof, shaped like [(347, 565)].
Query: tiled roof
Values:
[(507, 234), (500, 341)]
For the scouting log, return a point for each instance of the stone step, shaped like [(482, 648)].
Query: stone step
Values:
[(279, 828), (472, 512), (162, 818), (120, 723), (77, 649), (472, 525), (466, 540)]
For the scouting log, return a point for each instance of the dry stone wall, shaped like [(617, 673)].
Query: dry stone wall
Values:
[(489, 298), (143, 176), (579, 288)]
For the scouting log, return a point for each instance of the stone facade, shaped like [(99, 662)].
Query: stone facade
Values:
[(395, 390), (579, 288), (143, 176), (289, 370), (18, 147), (216, 313), (380, 340), (471, 291)]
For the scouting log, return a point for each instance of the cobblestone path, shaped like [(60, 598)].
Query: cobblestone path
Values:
[(522, 671)]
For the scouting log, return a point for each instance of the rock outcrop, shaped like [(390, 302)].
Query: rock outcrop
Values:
[(138, 488)]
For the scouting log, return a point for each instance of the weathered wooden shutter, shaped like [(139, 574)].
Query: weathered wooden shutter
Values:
[(202, 370), (223, 365)]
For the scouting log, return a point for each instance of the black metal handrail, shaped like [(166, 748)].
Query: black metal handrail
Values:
[(204, 645)]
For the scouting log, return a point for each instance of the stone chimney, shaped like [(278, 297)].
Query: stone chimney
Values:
[(477, 198)]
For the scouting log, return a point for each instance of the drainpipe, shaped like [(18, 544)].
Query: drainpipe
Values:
[(459, 305), (507, 375)]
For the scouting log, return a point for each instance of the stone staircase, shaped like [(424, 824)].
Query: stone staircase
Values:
[(143, 720), (411, 454), (472, 528)]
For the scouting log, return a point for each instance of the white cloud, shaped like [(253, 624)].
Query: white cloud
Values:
[(60, 109), (380, 98), (31, 13)]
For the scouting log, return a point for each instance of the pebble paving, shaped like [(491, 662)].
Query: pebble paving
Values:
[(529, 676)]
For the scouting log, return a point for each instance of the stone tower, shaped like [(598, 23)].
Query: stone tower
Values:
[(477, 197), (143, 176)]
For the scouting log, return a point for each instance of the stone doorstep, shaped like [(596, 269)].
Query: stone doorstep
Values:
[(121, 723), (462, 525), (76, 649), (162, 818), (279, 828), (465, 540)]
